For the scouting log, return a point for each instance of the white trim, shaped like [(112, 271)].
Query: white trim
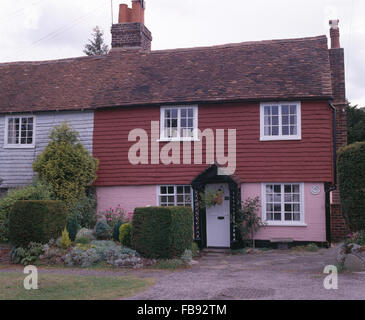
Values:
[(179, 108), (175, 193), (283, 222), (298, 136), (20, 146)]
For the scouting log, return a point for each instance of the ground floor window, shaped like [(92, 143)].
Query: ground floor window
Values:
[(179, 195), (283, 203)]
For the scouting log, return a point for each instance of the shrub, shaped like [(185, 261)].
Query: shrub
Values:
[(351, 174), (194, 249), (83, 240), (162, 232), (66, 165), (73, 227), (85, 210), (83, 258), (113, 216), (36, 221), (65, 241), (187, 256), (28, 255), (102, 230), (99, 251), (52, 254), (247, 220), (85, 233), (125, 234), (37, 191), (116, 230), (357, 238)]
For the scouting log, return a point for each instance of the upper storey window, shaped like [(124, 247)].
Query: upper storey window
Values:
[(19, 132), (280, 121), (179, 123)]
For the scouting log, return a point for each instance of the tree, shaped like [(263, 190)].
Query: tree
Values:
[(96, 45), (355, 124), (66, 166)]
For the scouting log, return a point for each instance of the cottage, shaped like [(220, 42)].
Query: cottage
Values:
[(282, 101)]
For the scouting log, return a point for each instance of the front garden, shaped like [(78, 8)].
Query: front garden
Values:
[(54, 221)]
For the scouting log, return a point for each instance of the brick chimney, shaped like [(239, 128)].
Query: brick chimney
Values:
[(130, 32), (336, 55), (335, 34)]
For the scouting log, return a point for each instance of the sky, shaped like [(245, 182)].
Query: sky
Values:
[(54, 29)]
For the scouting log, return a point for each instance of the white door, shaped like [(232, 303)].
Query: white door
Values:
[(218, 219)]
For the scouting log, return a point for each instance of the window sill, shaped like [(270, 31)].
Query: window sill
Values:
[(280, 138), (283, 224), (19, 147), (179, 140)]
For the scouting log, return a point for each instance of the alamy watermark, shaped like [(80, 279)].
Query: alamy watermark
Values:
[(31, 281), (146, 150), (330, 282)]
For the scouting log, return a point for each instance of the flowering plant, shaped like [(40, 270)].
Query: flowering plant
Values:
[(113, 215)]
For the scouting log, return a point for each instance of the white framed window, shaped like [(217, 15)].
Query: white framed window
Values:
[(19, 132), (280, 121), (179, 195), (283, 204), (179, 123)]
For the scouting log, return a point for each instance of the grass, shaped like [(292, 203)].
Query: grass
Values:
[(312, 247), (71, 287), (243, 250), (169, 264)]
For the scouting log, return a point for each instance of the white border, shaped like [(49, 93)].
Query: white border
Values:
[(283, 223), (298, 136), (175, 186), (20, 146), (162, 121)]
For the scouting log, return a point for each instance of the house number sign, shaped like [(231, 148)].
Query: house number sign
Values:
[(316, 189)]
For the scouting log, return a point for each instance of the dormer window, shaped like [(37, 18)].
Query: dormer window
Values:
[(280, 121), (19, 132), (179, 123)]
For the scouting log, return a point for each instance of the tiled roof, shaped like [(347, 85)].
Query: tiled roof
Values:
[(263, 70)]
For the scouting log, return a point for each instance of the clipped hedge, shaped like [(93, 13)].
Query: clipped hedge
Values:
[(162, 232), (351, 175), (36, 221)]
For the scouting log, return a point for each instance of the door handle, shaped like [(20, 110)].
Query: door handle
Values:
[(220, 218)]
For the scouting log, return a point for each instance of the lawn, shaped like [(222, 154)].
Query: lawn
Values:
[(71, 287)]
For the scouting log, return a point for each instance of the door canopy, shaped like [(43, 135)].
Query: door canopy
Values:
[(210, 175)]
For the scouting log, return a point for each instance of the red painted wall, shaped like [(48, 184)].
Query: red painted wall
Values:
[(308, 160)]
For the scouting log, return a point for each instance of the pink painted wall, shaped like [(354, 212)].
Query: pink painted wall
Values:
[(314, 216), (127, 197)]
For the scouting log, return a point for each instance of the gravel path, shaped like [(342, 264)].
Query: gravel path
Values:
[(271, 275)]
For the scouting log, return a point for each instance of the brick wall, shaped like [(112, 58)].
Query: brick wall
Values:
[(338, 226), (131, 35)]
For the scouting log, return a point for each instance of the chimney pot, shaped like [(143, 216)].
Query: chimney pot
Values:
[(335, 34)]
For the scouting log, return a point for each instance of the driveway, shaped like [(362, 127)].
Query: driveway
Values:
[(277, 274)]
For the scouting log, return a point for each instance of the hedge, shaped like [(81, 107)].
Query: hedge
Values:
[(36, 221), (162, 232), (351, 175)]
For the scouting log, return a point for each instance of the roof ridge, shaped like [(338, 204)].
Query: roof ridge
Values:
[(241, 44), (220, 46)]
